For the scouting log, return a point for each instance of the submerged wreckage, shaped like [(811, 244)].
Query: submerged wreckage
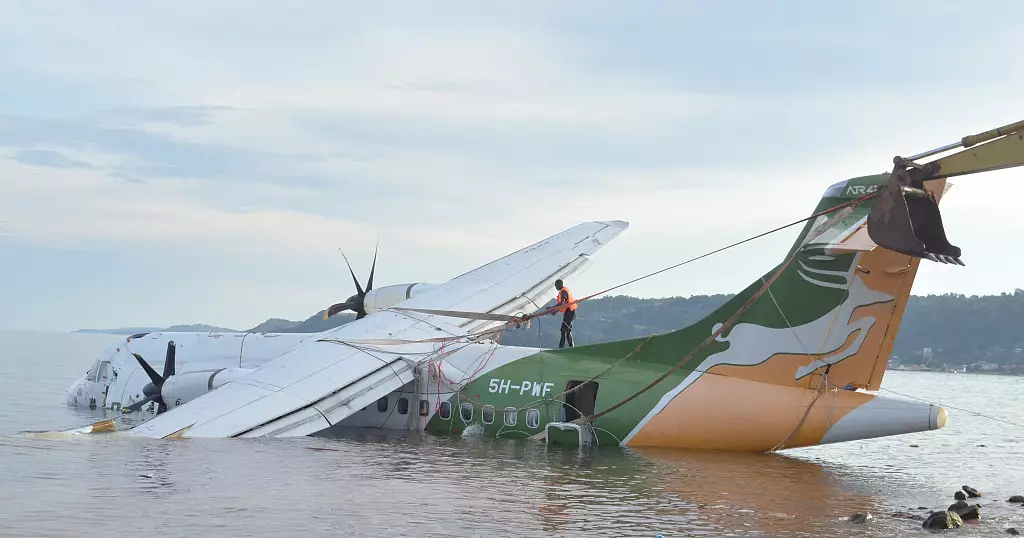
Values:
[(783, 364)]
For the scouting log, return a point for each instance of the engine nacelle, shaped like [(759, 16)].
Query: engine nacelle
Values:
[(388, 296), (186, 386)]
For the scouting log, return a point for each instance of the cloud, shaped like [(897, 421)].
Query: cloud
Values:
[(148, 154), (42, 157), (249, 152), (176, 116)]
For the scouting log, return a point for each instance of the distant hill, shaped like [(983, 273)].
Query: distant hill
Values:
[(958, 329), (312, 324), (122, 330)]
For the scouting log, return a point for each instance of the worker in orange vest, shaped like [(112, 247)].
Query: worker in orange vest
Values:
[(569, 312)]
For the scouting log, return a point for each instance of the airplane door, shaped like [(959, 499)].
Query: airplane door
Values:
[(581, 402)]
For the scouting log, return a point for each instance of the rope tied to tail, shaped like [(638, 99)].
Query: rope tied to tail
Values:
[(732, 319)]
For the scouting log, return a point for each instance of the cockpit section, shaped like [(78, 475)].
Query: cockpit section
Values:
[(90, 390), (99, 372)]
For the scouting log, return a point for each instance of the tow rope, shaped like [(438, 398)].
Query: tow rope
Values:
[(521, 319)]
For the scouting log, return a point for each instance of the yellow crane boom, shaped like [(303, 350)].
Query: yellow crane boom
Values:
[(906, 217)]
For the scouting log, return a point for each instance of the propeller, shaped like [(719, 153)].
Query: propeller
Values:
[(153, 388), (355, 302)]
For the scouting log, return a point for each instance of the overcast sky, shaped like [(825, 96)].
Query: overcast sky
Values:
[(189, 161)]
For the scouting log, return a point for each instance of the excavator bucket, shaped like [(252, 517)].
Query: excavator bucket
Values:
[(906, 219)]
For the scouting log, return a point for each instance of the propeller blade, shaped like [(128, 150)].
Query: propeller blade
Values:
[(359, 289), (169, 359), (338, 307), (162, 408), (153, 376), (369, 281), (334, 309), (137, 405)]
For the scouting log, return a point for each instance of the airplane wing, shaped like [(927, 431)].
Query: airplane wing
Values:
[(325, 381)]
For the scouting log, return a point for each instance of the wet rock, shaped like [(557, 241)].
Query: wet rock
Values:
[(860, 518), (1017, 499), (967, 512), (903, 515), (943, 520), (1013, 531), (960, 496), (971, 492)]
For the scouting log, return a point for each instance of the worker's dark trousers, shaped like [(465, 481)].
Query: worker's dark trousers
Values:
[(567, 328)]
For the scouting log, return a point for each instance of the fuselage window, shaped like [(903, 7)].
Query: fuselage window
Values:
[(511, 416), (446, 410), (488, 414), (424, 408), (467, 411), (532, 418), (403, 406), (382, 405)]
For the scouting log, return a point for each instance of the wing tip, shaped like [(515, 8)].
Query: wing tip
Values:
[(618, 224)]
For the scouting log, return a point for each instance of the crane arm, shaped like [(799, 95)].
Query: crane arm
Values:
[(906, 216), (992, 150)]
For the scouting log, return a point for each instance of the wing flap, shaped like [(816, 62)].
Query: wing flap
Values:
[(340, 405)]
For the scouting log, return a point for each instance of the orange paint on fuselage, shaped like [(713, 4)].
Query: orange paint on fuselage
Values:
[(726, 413)]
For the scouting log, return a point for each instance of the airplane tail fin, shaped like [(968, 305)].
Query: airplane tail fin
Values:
[(833, 311), (825, 318)]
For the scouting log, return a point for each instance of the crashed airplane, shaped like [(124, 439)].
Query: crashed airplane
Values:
[(788, 362)]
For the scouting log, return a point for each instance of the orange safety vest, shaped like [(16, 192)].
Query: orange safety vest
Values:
[(559, 299)]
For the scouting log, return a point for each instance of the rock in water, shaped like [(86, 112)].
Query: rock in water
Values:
[(943, 520), (967, 512), (1017, 499), (860, 518), (971, 492), (1013, 531), (960, 496)]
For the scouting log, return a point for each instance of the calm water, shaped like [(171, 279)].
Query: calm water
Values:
[(370, 484)]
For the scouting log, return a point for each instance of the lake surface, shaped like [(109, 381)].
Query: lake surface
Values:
[(367, 483)]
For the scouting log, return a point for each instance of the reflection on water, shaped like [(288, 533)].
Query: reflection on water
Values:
[(371, 483)]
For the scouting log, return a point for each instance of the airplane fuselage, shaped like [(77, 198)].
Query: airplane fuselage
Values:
[(519, 391), (116, 379)]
